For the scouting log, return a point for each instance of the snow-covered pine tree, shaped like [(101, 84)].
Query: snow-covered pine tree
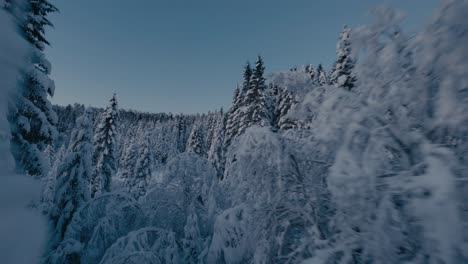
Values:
[(104, 158), (195, 143), (235, 114), (342, 73), (49, 155), (254, 101), (125, 142), (36, 21), (274, 98), (233, 118), (246, 77), (138, 183), (286, 102), (48, 191), (192, 242), (181, 133), (213, 121), (72, 178), (309, 69), (129, 161), (216, 152), (32, 119), (321, 76)]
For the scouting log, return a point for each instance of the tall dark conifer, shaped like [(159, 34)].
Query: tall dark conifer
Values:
[(105, 141), (235, 115), (246, 77), (32, 119), (254, 102), (342, 74)]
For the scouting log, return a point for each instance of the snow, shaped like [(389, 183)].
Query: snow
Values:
[(298, 82), (186, 179), (147, 245), (371, 174), (231, 241), (100, 222), (442, 226), (22, 229)]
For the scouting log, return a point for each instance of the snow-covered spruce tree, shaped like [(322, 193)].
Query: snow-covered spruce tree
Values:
[(48, 190), (285, 104), (233, 118), (181, 133), (195, 142), (214, 118), (246, 77), (192, 242), (49, 155), (254, 101), (271, 215), (125, 142), (273, 97), (128, 162), (72, 179), (22, 230), (32, 119), (342, 74), (105, 149), (321, 76), (235, 114), (138, 182), (216, 152), (309, 69)]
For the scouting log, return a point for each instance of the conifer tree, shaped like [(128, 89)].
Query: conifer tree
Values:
[(125, 142), (181, 133), (321, 76), (235, 115), (196, 143), (49, 155), (104, 158), (37, 20), (138, 183), (32, 119), (210, 129), (342, 73), (50, 182), (192, 242), (246, 77), (128, 163), (72, 178), (233, 118), (309, 69), (285, 104), (254, 102), (216, 152)]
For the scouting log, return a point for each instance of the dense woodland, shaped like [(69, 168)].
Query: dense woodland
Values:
[(361, 163)]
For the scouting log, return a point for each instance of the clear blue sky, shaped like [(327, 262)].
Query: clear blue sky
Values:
[(187, 56)]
